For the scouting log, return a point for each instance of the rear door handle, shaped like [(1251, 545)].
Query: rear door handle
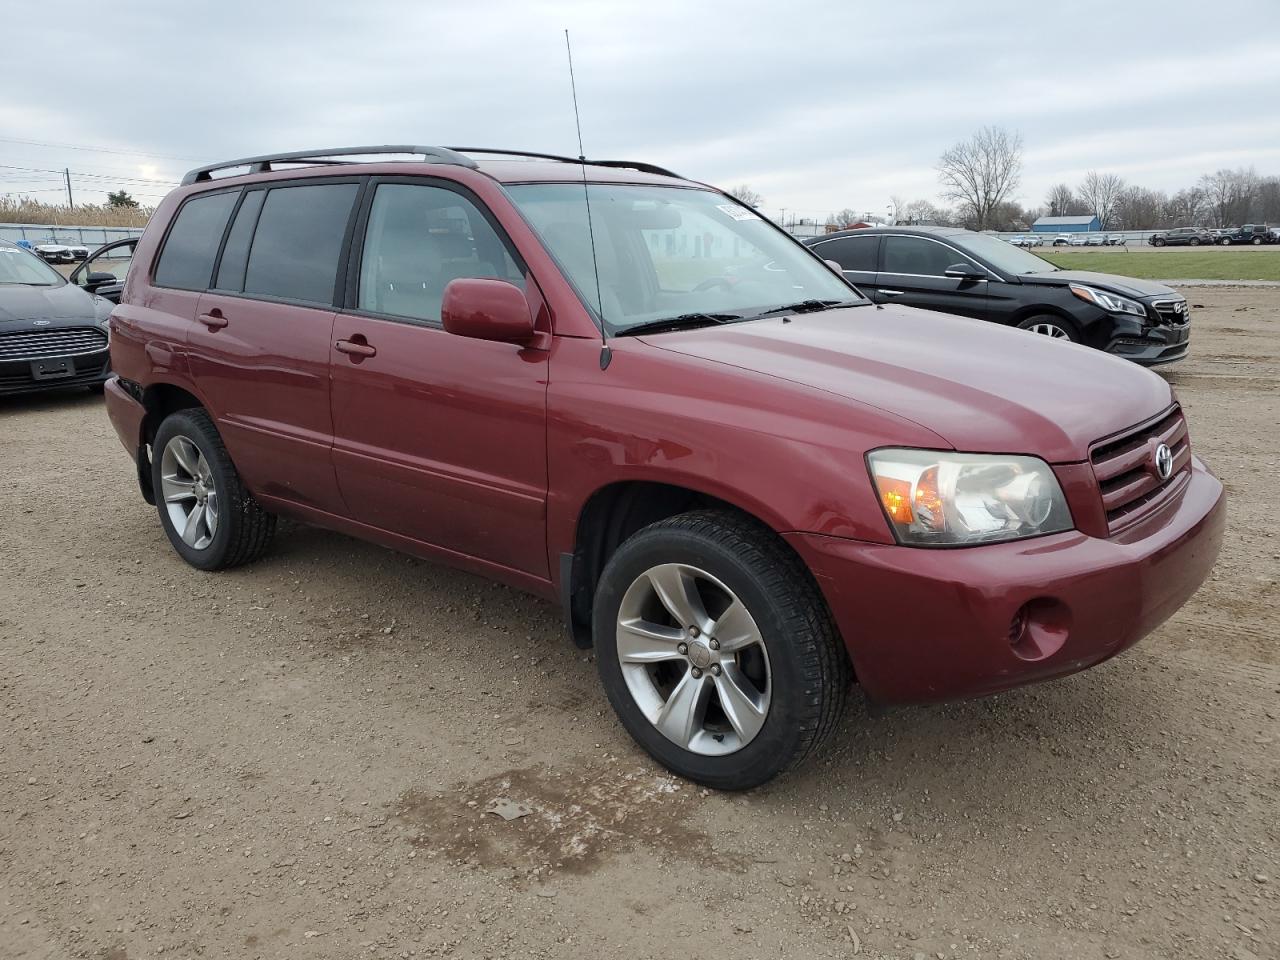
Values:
[(893, 293), (214, 319), (356, 348)]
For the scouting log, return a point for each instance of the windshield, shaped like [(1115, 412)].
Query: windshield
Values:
[(1004, 256), (18, 266), (670, 252)]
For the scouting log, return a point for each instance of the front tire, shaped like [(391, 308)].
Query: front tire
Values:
[(1195, 242), (209, 516), (1158, 243), (1049, 325), (716, 649)]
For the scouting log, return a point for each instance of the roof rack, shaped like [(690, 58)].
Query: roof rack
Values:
[(620, 164), (263, 164), (450, 155)]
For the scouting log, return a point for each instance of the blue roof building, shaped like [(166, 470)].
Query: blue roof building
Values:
[(1083, 224)]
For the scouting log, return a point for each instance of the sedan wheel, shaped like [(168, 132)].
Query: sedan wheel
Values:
[(693, 659), (190, 493), (1047, 329)]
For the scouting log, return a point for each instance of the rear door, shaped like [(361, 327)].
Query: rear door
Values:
[(437, 437), (260, 348), (913, 272), (857, 256)]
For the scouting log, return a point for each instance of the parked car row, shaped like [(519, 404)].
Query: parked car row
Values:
[(1090, 240)]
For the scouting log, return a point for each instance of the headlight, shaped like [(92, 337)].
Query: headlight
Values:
[(935, 499), (1110, 302)]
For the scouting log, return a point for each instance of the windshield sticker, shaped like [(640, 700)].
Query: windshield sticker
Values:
[(738, 213)]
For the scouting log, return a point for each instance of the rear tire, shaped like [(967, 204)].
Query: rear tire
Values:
[(1226, 241), (1256, 241), (757, 689), (197, 486)]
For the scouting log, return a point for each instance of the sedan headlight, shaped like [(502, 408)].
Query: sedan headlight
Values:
[(936, 499), (1110, 302)]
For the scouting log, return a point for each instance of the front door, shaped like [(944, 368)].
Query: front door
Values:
[(437, 437), (913, 273)]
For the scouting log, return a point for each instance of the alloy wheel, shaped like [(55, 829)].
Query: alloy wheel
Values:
[(189, 491), (693, 659), (1050, 330)]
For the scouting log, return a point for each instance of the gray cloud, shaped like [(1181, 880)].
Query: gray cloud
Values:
[(818, 105)]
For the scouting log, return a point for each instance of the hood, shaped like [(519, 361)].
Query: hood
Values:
[(65, 303), (982, 387), (1129, 286)]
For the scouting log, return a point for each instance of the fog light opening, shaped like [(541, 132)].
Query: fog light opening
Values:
[(1039, 629)]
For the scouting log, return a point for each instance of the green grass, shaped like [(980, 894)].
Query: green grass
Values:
[(1171, 265)]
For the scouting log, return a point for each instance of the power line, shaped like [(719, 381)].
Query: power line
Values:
[(91, 176), (123, 153)]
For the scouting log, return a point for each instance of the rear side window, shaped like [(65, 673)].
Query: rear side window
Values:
[(296, 248), (186, 262), (919, 257), (852, 253)]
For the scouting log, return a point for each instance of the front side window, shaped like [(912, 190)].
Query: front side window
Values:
[(419, 238), (653, 252), (114, 261), (296, 247), (186, 262), (19, 268)]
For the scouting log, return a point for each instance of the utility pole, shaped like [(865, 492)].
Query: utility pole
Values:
[(71, 203)]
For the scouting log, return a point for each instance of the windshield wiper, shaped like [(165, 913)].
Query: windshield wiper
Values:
[(807, 306), (684, 321)]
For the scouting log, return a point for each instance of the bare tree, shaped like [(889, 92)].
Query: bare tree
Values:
[(1060, 200), (844, 219), (980, 173), (1186, 208), (748, 196), (1140, 209), (922, 211), (1101, 191), (1230, 194)]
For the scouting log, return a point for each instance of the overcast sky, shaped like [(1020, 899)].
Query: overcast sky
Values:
[(818, 106)]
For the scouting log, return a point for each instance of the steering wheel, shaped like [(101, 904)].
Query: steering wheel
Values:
[(713, 282)]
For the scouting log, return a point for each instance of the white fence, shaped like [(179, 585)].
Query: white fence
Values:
[(90, 237)]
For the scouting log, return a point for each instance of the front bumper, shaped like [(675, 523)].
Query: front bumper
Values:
[(925, 625), (85, 370)]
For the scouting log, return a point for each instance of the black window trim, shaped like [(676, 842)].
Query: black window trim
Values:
[(340, 276), (349, 305), (226, 236), (168, 230)]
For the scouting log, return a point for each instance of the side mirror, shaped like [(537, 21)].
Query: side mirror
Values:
[(484, 309), (835, 267), (97, 279), (965, 271)]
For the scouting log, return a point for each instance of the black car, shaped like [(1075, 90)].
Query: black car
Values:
[(52, 333), (979, 275), (1181, 236), (1253, 233)]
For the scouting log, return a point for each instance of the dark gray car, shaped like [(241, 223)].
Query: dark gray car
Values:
[(53, 334)]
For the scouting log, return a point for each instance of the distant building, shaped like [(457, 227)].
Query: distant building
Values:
[(1084, 224)]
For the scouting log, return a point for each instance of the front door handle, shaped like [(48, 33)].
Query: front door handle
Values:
[(356, 347), (214, 319), (893, 293)]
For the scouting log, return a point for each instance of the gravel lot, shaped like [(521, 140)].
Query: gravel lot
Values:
[(295, 759)]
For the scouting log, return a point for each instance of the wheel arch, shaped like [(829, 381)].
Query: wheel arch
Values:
[(609, 516), (159, 400)]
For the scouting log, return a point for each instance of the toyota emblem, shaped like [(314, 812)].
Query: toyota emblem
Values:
[(1164, 462)]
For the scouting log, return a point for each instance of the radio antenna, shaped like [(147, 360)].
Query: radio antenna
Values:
[(605, 354)]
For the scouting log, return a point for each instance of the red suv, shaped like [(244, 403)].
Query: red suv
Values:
[(629, 393)]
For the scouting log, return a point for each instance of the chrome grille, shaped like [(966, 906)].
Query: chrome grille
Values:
[(1173, 311), (1126, 472), (42, 344)]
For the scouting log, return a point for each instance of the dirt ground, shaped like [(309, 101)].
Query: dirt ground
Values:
[(295, 759)]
